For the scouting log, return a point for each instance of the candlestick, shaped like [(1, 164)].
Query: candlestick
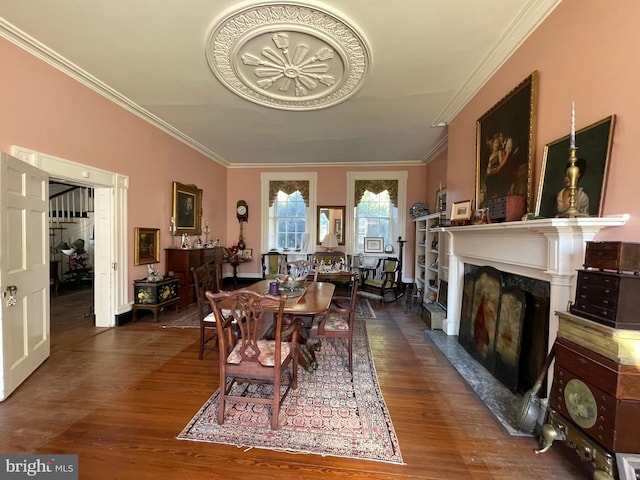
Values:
[(572, 142)]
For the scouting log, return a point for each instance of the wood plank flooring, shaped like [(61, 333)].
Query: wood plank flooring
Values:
[(118, 397)]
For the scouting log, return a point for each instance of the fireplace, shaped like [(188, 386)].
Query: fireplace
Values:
[(504, 324), (548, 250)]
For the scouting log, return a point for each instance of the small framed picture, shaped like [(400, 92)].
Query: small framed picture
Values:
[(147, 246), (247, 253), (461, 211), (373, 245)]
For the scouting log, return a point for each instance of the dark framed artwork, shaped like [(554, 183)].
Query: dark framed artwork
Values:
[(594, 149), (505, 144), (147, 246), (187, 209)]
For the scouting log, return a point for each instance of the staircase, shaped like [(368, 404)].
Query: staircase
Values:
[(70, 218), (69, 204)]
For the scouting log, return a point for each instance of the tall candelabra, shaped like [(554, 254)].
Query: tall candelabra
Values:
[(572, 174)]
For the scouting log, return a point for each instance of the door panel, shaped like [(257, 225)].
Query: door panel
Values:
[(24, 271)]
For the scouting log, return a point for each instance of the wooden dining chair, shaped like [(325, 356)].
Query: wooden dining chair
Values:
[(273, 264), (206, 277), (338, 321), (303, 269), (250, 358)]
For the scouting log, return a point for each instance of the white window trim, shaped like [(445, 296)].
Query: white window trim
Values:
[(265, 178), (401, 177)]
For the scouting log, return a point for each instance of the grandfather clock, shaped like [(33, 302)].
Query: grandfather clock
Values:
[(242, 213)]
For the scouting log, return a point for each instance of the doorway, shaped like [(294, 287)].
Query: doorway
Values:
[(110, 264)]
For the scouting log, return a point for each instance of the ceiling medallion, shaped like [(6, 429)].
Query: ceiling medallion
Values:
[(288, 56)]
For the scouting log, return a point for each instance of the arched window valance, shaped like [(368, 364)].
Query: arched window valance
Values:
[(289, 187), (377, 187)]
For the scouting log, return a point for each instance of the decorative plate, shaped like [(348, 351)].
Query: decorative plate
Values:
[(418, 209)]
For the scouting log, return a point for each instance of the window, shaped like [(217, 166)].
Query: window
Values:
[(290, 219), (376, 216), (288, 210), (378, 202)]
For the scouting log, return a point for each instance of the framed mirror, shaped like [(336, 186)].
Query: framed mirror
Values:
[(330, 220)]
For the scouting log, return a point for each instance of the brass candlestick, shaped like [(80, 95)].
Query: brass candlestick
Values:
[(572, 174)]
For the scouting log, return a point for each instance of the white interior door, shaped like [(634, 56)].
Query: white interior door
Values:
[(24, 271)]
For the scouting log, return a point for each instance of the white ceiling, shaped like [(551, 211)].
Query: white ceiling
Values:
[(427, 59)]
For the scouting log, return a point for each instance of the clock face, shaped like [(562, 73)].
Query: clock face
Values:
[(580, 403), (242, 210)]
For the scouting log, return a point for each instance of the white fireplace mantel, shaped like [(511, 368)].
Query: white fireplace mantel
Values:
[(550, 249)]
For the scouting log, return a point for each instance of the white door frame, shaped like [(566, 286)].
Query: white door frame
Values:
[(111, 297)]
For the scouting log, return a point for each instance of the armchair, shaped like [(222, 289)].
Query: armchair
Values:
[(385, 281)]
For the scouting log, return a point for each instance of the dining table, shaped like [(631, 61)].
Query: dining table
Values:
[(301, 309)]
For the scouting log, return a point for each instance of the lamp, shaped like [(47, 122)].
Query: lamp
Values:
[(65, 248), (330, 241)]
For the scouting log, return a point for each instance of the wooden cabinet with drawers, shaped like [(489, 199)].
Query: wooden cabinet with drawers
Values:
[(616, 256), (179, 264), (608, 298)]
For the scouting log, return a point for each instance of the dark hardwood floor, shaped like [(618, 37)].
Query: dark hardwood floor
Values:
[(118, 397)]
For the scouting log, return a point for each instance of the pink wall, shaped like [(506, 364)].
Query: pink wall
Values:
[(584, 52), (47, 111), (332, 190)]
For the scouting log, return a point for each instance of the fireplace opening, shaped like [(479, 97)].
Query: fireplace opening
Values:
[(504, 325)]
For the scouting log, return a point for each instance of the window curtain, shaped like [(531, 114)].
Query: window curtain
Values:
[(377, 187), (289, 187)]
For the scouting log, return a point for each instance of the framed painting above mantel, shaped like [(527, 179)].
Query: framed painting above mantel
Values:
[(187, 209), (505, 142)]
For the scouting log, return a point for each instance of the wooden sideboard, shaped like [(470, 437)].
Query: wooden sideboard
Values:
[(179, 264)]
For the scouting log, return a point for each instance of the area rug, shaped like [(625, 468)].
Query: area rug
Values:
[(330, 413), (189, 318)]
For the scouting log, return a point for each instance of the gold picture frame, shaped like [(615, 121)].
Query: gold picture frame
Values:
[(187, 209), (147, 246), (505, 146)]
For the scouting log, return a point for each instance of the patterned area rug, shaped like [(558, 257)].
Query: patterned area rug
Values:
[(330, 413), (189, 318)]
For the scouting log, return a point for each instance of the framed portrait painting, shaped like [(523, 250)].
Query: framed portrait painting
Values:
[(594, 149), (187, 209), (505, 143), (147, 246)]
